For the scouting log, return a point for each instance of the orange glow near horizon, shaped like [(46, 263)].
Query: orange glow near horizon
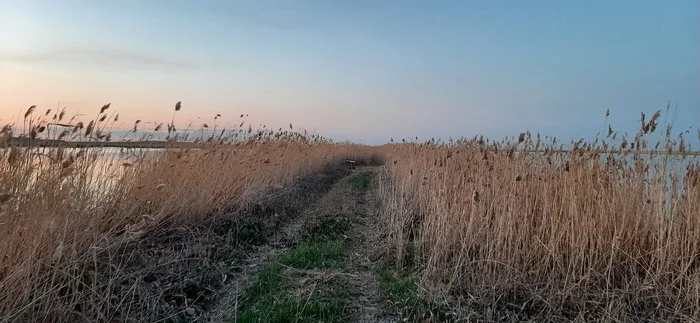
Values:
[(83, 94)]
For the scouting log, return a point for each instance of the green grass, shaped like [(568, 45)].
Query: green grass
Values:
[(316, 255), (289, 309), (396, 289), (269, 301), (322, 247), (361, 180), (269, 281), (273, 297), (328, 229), (401, 297)]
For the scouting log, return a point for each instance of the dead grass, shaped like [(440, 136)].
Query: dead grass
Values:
[(602, 232), (549, 236), (68, 215)]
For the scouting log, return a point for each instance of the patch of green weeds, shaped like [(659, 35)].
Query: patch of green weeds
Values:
[(317, 255), (269, 281), (291, 310), (332, 228), (401, 296), (362, 180), (327, 302), (397, 289), (272, 298)]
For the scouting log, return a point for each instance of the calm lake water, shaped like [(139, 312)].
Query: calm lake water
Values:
[(108, 162)]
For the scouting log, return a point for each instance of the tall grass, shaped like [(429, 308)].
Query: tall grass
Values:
[(604, 231), (600, 233), (64, 213)]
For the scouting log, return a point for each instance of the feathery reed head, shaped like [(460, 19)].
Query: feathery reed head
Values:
[(104, 107)]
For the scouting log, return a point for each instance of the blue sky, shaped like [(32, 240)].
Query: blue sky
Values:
[(359, 70)]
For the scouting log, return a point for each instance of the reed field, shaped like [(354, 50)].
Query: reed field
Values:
[(510, 230), (63, 210), (600, 233)]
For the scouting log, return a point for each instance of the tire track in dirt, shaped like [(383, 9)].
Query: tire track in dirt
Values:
[(345, 200), (366, 251), (249, 267), (281, 241)]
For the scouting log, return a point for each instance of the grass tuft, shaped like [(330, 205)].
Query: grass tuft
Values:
[(401, 297), (332, 228), (316, 255), (293, 310), (363, 180), (269, 281), (325, 302)]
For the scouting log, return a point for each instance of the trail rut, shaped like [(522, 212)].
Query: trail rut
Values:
[(344, 201)]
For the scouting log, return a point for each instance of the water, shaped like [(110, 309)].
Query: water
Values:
[(105, 166)]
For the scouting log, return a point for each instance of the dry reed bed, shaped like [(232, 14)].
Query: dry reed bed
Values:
[(62, 209), (547, 236)]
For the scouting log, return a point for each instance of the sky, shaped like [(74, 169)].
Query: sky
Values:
[(364, 71)]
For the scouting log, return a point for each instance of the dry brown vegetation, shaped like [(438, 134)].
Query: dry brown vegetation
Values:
[(549, 236), (601, 232), (67, 214)]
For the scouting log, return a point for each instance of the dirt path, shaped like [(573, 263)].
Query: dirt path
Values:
[(319, 267), (249, 266), (365, 253), (308, 252)]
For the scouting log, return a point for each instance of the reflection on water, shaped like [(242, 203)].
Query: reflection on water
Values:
[(108, 164), (663, 172), (110, 152), (104, 151), (100, 168)]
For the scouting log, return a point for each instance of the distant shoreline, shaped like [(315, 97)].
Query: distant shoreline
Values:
[(629, 152), (24, 142)]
